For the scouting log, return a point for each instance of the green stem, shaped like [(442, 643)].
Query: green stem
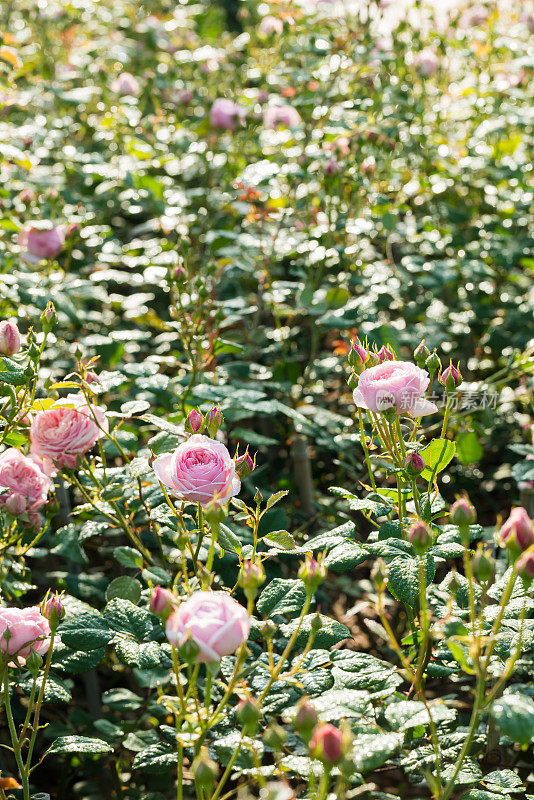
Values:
[(363, 442), (14, 738), (40, 698)]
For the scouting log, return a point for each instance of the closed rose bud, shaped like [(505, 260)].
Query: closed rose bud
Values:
[(421, 354), (433, 363), (517, 533), (414, 465), (385, 354), (462, 513), (48, 317), (451, 378), (213, 420), (327, 744), (275, 736), (244, 465), (194, 422), (312, 572), (420, 536), (358, 355), (483, 565), (16, 504), (305, 719), (525, 566), (161, 601), (53, 610), (251, 577), (248, 714), (9, 338), (204, 770)]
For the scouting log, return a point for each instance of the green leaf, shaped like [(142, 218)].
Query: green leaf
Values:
[(74, 661), (12, 373), (274, 498), (85, 631), (514, 714), (345, 556), (404, 577), (371, 750), (281, 596), (330, 632), (339, 704), (279, 539), (55, 690), (128, 557), (125, 588), (437, 455), (79, 744), (468, 448), (408, 714), (228, 540), (155, 758), (124, 617)]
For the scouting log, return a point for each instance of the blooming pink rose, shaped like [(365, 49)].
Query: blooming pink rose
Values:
[(426, 61), (398, 385), (270, 24), (274, 116), (23, 486), (226, 114), (29, 631), (125, 83), (40, 244), (63, 433), (9, 338), (200, 470), (213, 620)]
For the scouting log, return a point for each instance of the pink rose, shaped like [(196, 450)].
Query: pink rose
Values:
[(200, 470), (226, 114), (286, 115), (63, 433), (9, 338), (426, 61), (398, 385), (270, 24), (40, 244), (29, 631), (214, 621), (23, 486), (517, 532), (125, 83)]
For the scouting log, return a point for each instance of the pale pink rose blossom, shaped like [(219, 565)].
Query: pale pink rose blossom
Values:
[(125, 83), (21, 483), (29, 631), (226, 114), (214, 621), (200, 470), (39, 244), (67, 430), (397, 385), (286, 115), (270, 24)]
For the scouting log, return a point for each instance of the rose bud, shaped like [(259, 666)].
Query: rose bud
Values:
[(305, 719), (275, 737), (244, 465), (327, 744), (16, 504), (91, 377), (483, 565), (48, 317), (204, 770), (194, 422), (433, 363), (451, 378), (462, 513), (312, 573), (414, 465), (525, 566), (385, 354), (517, 533), (248, 714), (161, 601), (380, 575), (53, 610), (251, 577), (9, 338), (420, 536), (213, 420), (358, 355), (420, 354)]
